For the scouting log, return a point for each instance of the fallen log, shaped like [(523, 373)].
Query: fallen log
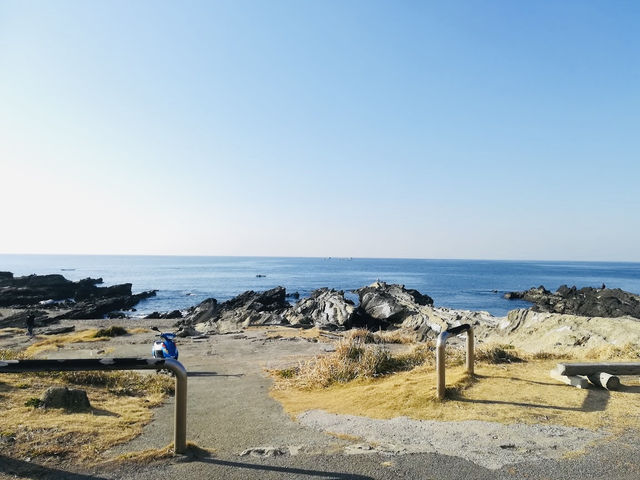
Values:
[(605, 380)]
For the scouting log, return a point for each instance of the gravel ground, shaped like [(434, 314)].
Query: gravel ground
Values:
[(488, 444)]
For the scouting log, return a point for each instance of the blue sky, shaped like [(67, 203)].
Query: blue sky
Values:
[(470, 129)]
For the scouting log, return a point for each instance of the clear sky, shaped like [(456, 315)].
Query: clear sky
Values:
[(466, 129)]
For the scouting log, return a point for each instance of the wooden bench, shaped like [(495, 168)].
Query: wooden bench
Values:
[(582, 375)]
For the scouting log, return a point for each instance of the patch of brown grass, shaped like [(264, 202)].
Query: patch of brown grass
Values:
[(112, 331), (9, 354), (352, 359), (121, 405), (497, 354), (396, 336), (9, 332), (54, 343), (511, 392), (382, 336), (122, 382), (628, 352)]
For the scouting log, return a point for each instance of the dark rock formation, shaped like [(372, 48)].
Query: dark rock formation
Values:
[(165, 315), (63, 397), (57, 330), (89, 300), (383, 304), (97, 307), (325, 308), (248, 308), (587, 301)]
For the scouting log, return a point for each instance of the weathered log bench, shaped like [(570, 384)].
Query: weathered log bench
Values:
[(582, 375)]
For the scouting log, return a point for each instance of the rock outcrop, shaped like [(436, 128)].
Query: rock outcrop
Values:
[(544, 331), (248, 308), (587, 301), (98, 307), (165, 315), (325, 308), (390, 304), (76, 300), (393, 306)]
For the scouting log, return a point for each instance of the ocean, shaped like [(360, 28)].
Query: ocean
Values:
[(184, 281)]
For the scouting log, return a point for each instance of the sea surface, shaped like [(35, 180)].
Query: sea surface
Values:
[(463, 284)]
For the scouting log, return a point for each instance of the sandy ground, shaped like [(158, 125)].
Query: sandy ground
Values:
[(230, 412)]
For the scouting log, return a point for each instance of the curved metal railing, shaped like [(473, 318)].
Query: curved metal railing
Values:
[(81, 364), (442, 340)]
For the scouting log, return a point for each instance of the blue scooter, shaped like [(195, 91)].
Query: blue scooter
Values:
[(166, 346)]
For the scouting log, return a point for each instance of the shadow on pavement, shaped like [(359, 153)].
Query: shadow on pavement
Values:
[(528, 405), (285, 470), (20, 468)]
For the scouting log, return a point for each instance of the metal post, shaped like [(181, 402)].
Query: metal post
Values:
[(180, 428), (80, 364), (442, 340), (440, 358), (470, 351)]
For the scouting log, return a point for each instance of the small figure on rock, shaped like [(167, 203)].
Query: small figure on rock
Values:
[(31, 321), (603, 286)]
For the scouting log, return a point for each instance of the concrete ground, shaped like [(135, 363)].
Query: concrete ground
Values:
[(230, 412)]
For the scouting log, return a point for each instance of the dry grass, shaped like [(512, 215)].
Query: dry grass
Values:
[(628, 352), (58, 341), (382, 336), (497, 354), (11, 332), (513, 392), (352, 359), (121, 405), (112, 331)]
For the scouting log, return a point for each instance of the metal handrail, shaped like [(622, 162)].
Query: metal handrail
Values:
[(80, 364), (442, 340)]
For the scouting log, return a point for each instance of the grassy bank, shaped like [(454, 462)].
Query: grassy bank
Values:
[(508, 386), (121, 402)]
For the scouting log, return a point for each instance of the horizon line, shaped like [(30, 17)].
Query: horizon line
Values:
[(327, 257)]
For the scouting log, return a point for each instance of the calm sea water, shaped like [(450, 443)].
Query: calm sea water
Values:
[(185, 281)]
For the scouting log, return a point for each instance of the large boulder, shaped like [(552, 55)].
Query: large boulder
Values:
[(63, 397), (325, 308), (390, 304), (430, 321), (248, 308), (165, 315), (587, 301)]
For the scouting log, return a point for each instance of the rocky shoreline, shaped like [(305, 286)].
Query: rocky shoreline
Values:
[(49, 298), (380, 306), (587, 301)]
